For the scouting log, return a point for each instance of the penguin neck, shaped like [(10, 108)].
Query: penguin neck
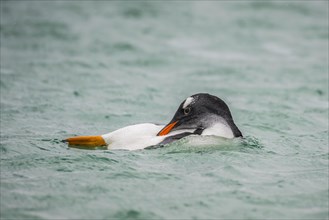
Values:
[(219, 129), (218, 126)]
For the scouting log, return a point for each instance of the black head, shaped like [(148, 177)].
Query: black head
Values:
[(199, 112)]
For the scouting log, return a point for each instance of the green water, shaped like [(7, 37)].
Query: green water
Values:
[(87, 68)]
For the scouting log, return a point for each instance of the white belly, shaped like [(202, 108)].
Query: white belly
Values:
[(134, 137), (139, 136)]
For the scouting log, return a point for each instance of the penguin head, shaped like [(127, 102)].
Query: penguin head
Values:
[(199, 112)]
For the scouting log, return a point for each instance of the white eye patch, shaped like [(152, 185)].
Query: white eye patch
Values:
[(188, 101)]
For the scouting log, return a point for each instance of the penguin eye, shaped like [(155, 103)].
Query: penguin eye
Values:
[(187, 110)]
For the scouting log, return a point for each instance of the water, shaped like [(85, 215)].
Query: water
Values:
[(87, 68)]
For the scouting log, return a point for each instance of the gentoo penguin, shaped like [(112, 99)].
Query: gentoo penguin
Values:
[(199, 114)]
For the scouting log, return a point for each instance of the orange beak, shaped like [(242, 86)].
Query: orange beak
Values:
[(167, 129), (91, 141)]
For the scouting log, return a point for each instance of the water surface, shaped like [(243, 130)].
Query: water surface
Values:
[(87, 68)]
